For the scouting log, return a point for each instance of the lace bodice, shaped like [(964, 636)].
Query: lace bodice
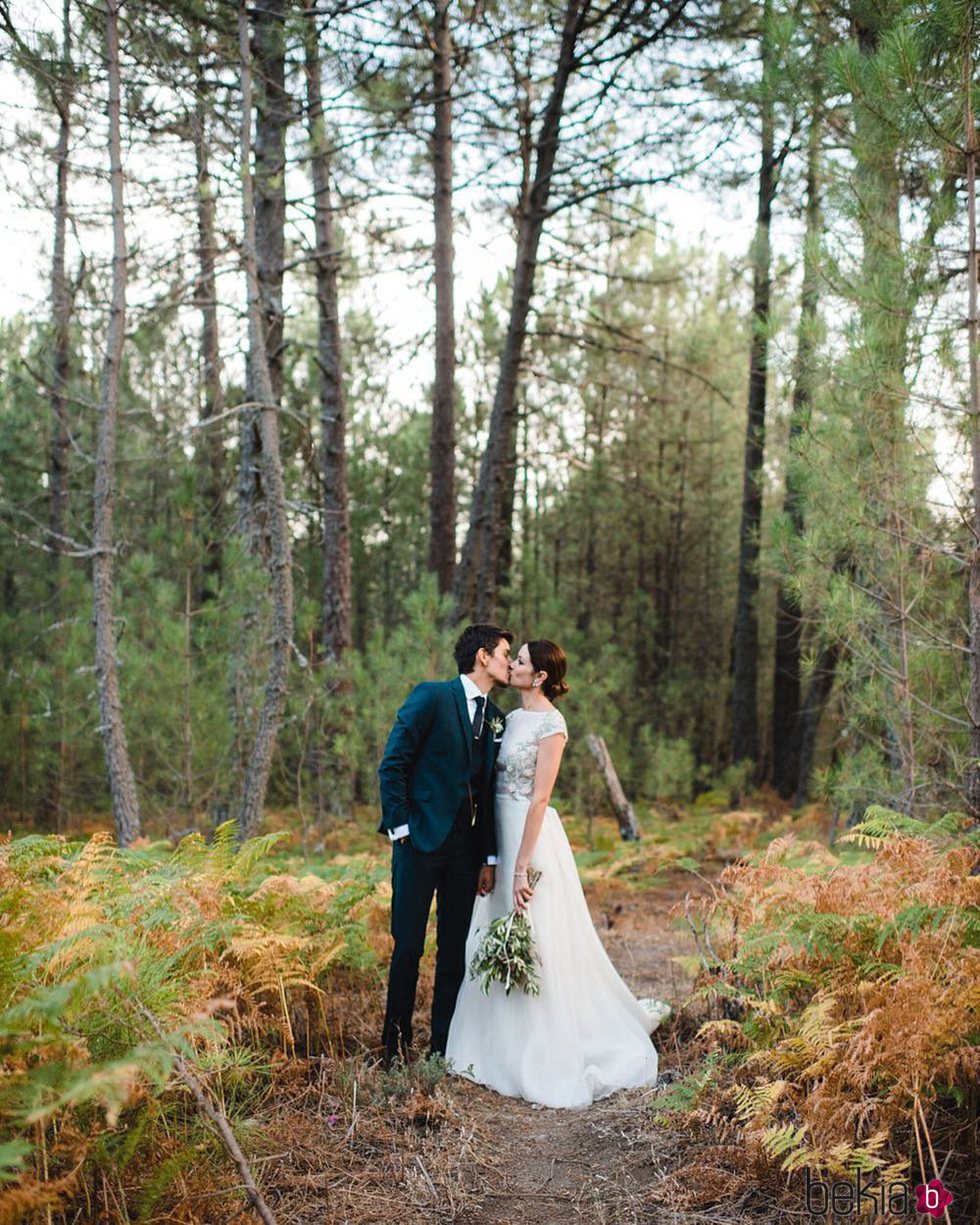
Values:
[(518, 755)]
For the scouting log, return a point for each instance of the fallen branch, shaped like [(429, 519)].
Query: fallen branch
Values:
[(628, 824), (217, 1118)]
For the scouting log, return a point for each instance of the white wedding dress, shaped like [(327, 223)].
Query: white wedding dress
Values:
[(584, 1035)]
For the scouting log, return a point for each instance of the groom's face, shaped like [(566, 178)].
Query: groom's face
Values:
[(498, 664)]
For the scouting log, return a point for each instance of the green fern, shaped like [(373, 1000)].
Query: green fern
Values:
[(13, 1157), (109, 963), (880, 824), (827, 976), (912, 920), (684, 1094), (785, 1140), (753, 1102), (162, 1179)]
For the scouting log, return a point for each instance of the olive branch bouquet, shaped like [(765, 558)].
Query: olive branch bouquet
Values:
[(506, 954)]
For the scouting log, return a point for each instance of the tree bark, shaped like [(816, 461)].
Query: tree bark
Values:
[(336, 622), (187, 772), (280, 560), (336, 619), (51, 802), (210, 446), (745, 641), (488, 536), (811, 713), (831, 652), (122, 783), (973, 340), (272, 121), (272, 114), (594, 495), (787, 720), (442, 444), (61, 306)]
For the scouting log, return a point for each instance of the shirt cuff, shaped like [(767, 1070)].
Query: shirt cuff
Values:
[(400, 832), (491, 861)]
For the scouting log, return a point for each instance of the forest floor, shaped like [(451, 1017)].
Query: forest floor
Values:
[(331, 1136), (454, 1151)]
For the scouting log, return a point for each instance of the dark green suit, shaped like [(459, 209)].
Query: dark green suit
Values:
[(436, 779)]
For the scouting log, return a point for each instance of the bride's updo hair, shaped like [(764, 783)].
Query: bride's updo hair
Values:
[(547, 656)]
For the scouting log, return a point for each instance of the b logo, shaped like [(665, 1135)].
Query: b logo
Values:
[(932, 1198)]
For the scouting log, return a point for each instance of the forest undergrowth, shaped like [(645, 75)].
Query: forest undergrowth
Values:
[(831, 1028), (834, 1022)]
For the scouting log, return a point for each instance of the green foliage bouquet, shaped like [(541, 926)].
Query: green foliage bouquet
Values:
[(506, 954)]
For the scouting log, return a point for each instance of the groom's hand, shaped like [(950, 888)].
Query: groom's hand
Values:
[(485, 883)]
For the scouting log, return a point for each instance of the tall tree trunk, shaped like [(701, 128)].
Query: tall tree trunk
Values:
[(745, 642), (527, 527), (187, 773), (210, 447), (122, 783), (336, 623), (272, 114), (52, 797), (667, 618), (442, 444), (817, 696), (973, 340), (594, 495), (336, 634), (280, 561), (488, 536), (61, 306), (272, 120), (787, 720), (505, 550)]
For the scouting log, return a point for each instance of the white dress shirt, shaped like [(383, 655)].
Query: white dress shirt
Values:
[(472, 692)]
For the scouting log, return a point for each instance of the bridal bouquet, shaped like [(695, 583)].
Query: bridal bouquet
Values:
[(506, 953)]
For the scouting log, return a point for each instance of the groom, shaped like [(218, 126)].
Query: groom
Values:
[(437, 808)]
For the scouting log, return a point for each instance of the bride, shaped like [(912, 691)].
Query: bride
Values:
[(584, 1035)]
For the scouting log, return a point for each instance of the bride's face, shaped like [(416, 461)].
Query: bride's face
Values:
[(522, 673)]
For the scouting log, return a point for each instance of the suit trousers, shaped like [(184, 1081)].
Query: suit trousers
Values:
[(450, 873)]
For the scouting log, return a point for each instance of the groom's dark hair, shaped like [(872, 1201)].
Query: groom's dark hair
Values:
[(472, 639)]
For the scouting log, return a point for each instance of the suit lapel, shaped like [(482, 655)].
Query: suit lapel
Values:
[(465, 726)]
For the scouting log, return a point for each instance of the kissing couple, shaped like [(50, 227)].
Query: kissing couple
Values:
[(465, 801)]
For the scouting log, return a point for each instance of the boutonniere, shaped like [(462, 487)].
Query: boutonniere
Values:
[(497, 727)]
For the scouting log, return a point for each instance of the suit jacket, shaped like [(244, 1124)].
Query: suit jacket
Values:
[(427, 763)]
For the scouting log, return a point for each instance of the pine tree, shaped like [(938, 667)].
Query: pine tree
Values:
[(280, 546), (122, 782)]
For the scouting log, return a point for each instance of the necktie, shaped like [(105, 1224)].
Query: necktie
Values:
[(478, 720)]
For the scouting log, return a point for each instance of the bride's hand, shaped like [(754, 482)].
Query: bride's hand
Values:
[(522, 891)]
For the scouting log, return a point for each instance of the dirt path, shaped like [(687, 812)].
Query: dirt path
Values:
[(599, 1164), (463, 1153), (554, 1165)]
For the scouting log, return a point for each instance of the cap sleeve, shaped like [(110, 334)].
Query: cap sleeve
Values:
[(552, 723)]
